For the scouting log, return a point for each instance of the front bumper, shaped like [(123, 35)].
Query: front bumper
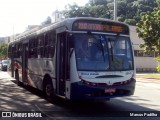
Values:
[(79, 91)]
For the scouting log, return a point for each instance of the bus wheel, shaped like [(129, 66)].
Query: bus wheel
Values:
[(48, 89), (17, 78)]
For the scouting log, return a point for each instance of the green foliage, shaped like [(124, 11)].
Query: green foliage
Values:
[(149, 30), (90, 10), (47, 21), (3, 51), (157, 58), (130, 21), (98, 2), (158, 68), (129, 11), (121, 19), (75, 11)]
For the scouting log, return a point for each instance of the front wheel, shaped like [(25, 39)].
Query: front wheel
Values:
[(48, 90)]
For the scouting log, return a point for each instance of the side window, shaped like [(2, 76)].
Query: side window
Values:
[(52, 44), (19, 50), (33, 48), (12, 51), (15, 50), (46, 44), (49, 46), (40, 46)]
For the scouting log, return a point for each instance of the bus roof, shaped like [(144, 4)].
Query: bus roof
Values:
[(67, 23)]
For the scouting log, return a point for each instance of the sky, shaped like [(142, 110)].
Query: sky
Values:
[(16, 15)]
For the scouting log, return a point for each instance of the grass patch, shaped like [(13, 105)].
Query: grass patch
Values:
[(151, 76)]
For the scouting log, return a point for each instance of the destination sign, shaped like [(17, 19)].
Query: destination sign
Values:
[(100, 26)]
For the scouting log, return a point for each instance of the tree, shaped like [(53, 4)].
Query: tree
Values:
[(130, 21), (74, 11), (129, 11), (158, 60), (149, 30), (3, 51), (99, 11), (47, 21), (94, 8), (99, 2)]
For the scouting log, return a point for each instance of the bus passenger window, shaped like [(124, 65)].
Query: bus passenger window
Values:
[(52, 50), (49, 45), (40, 49), (41, 52), (47, 39), (19, 50), (52, 44)]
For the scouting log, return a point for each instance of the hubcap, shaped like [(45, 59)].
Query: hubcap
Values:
[(48, 90)]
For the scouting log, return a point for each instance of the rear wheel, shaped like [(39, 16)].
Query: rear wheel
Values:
[(48, 90)]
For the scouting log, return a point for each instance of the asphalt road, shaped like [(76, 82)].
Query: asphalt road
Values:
[(25, 99)]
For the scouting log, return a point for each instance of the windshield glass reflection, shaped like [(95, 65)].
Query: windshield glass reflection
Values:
[(102, 52)]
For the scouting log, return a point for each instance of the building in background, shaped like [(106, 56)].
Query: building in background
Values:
[(57, 16), (4, 40), (30, 27), (144, 62)]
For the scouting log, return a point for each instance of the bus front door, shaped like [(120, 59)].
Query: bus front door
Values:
[(61, 63)]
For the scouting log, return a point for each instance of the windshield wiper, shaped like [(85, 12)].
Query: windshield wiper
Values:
[(101, 46), (111, 49), (102, 49)]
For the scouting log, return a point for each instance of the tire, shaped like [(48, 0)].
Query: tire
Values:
[(48, 90)]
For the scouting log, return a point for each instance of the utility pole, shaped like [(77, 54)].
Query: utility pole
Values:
[(115, 10)]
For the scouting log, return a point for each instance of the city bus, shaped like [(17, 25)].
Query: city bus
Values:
[(77, 59)]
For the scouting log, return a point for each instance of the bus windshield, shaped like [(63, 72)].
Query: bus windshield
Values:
[(103, 52)]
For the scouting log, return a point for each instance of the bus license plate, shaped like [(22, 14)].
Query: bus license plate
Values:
[(110, 90)]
